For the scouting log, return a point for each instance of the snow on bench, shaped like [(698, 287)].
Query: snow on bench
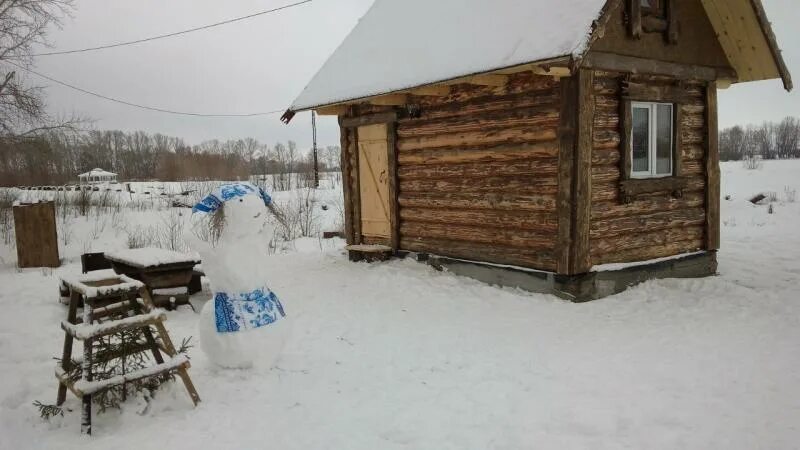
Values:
[(88, 331), (150, 257), (82, 387), (84, 284), (182, 290)]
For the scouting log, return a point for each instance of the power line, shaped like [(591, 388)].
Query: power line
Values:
[(136, 105), (177, 33)]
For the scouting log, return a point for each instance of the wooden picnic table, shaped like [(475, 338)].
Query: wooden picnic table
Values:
[(165, 273)]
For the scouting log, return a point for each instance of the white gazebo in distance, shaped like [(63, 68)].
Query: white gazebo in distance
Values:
[(97, 176)]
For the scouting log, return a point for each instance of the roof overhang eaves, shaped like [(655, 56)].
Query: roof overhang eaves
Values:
[(772, 41), (561, 59)]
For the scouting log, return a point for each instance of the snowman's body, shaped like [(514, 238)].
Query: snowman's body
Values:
[(244, 324)]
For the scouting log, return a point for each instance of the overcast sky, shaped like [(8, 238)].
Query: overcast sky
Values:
[(262, 64)]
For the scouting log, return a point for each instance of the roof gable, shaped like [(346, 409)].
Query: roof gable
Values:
[(696, 42)]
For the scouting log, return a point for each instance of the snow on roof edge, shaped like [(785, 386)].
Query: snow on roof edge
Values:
[(578, 48), (96, 172), (301, 108)]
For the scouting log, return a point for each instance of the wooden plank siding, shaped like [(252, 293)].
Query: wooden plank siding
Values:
[(656, 224), (477, 173)]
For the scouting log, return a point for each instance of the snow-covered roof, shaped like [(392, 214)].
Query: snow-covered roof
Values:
[(96, 172), (403, 44)]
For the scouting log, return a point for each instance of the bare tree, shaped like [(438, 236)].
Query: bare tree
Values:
[(331, 157), (23, 26), (787, 137), (281, 181), (764, 140), (292, 156)]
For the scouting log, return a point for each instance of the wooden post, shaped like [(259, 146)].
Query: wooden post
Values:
[(355, 186), (672, 22), (316, 161), (635, 18), (394, 194), (582, 174), (567, 131), (626, 158), (677, 136), (347, 184), (712, 170)]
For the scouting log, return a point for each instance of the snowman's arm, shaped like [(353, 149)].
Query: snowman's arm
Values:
[(193, 237), (278, 214)]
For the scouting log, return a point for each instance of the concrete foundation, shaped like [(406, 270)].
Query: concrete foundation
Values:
[(576, 288)]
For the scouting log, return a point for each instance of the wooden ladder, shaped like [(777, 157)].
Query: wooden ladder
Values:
[(104, 300)]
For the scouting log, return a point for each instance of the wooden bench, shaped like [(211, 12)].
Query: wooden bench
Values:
[(112, 304)]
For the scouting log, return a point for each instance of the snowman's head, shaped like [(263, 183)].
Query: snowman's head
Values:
[(236, 210)]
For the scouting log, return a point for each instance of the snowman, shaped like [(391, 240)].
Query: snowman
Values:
[(244, 325)]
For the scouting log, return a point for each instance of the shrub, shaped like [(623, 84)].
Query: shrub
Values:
[(299, 216), (752, 162), (790, 194), (772, 197), (170, 231), (7, 199), (141, 237)]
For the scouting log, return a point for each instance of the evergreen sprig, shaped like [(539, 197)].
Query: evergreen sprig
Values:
[(48, 411)]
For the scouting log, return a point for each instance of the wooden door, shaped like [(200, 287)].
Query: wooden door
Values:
[(373, 172)]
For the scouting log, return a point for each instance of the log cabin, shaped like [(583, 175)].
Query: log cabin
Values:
[(567, 147)]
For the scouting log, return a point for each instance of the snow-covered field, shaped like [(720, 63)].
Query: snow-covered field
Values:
[(396, 355)]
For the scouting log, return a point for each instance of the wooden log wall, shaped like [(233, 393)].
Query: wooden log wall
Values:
[(478, 173), (653, 225)]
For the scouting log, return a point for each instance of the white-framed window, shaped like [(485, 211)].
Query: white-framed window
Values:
[(652, 139)]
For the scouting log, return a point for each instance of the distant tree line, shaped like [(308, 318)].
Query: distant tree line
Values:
[(58, 157), (770, 140)]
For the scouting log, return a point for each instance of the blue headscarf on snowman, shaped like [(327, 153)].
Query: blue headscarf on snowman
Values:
[(213, 201), (241, 310)]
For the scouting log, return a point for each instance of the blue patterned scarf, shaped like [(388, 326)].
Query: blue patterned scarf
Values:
[(247, 310)]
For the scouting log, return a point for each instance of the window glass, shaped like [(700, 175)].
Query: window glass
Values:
[(641, 139), (664, 139)]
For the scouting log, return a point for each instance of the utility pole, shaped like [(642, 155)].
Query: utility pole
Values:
[(316, 166)]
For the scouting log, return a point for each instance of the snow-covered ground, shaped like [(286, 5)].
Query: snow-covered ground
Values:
[(396, 355)]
